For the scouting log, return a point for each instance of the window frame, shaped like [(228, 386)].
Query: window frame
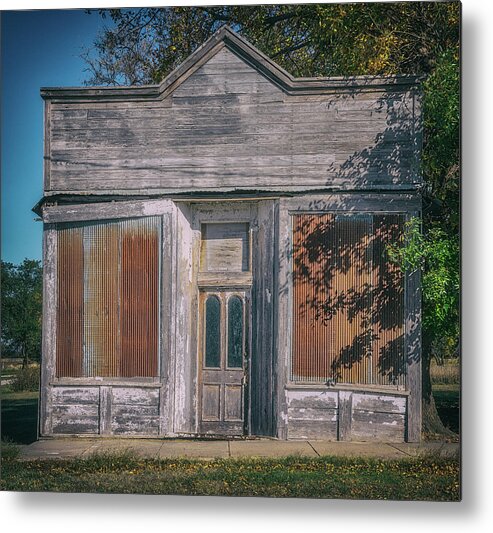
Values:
[(291, 383), (52, 215)]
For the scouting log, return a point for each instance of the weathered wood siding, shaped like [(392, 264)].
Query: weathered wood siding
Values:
[(264, 365), (346, 415), (312, 415), (105, 410), (228, 120), (183, 312), (226, 126)]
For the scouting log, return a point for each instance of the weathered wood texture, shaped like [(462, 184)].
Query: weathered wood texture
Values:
[(75, 410), (345, 415), (378, 418), (48, 361), (228, 126), (225, 247), (312, 415), (413, 354), (135, 411), (105, 410), (183, 318), (221, 384), (263, 379)]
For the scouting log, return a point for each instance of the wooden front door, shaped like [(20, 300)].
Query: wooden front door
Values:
[(222, 361)]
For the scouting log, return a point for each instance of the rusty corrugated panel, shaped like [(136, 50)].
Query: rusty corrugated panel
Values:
[(139, 290), (69, 329), (108, 299), (347, 300), (389, 364), (101, 272)]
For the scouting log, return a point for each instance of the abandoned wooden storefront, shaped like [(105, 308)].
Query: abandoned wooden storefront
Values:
[(215, 254)]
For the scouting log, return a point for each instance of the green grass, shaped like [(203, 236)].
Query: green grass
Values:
[(19, 416), (425, 478), (447, 373)]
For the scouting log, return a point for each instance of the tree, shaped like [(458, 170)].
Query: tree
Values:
[(144, 45), (436, 253), (21, 309)]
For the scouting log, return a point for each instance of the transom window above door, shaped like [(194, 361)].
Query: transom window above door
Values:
[(225, 247), (225, 255)]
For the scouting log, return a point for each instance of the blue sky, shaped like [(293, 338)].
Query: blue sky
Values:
[(38, 48)]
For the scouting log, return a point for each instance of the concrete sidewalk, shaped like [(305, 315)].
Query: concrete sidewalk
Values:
[(208, 449)]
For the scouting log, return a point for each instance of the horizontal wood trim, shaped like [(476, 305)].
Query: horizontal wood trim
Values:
[(89, 382), (107, 210), (352, 203), (128, 396), (379, 404), (312, 429), (224, 279), (353, 388), (75, 395)]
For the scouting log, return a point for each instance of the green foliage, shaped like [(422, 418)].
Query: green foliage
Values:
[(442, 133), (19, 415), (409, 252), (438, 254), (21, 309), (143, 45), (441, 284), (26, 379), (421, 478)]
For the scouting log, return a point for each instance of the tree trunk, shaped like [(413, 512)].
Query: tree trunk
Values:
[(432, 425), (25, 358)]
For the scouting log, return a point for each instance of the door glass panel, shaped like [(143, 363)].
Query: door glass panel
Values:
[(235, 332), (212, 332)]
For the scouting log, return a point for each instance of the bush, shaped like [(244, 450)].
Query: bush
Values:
[(26, 379)]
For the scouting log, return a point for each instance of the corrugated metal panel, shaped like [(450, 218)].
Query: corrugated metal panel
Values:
[(347, 300), (108, 306), (139, 290), (389, 363), (70, 302), (101, 250)]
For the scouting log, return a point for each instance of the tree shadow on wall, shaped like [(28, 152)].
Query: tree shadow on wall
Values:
[(348, 297), (388, 140)]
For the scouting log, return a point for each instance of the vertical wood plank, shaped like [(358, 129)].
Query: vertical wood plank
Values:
[(47, 145), (413, 354), (49, 328), (283, 315), (184, 360), (262, 390), (345, 415), (165, 366), (105, 401)]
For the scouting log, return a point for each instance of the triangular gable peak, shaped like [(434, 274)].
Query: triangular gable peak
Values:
[(226, 38)]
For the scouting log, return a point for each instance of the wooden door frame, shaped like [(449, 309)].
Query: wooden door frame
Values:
[(224, 293)]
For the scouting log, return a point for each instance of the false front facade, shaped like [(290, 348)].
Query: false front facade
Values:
[(215, 254)]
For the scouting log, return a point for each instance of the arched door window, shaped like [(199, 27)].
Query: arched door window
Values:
[(212, 332), (235, 332)]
